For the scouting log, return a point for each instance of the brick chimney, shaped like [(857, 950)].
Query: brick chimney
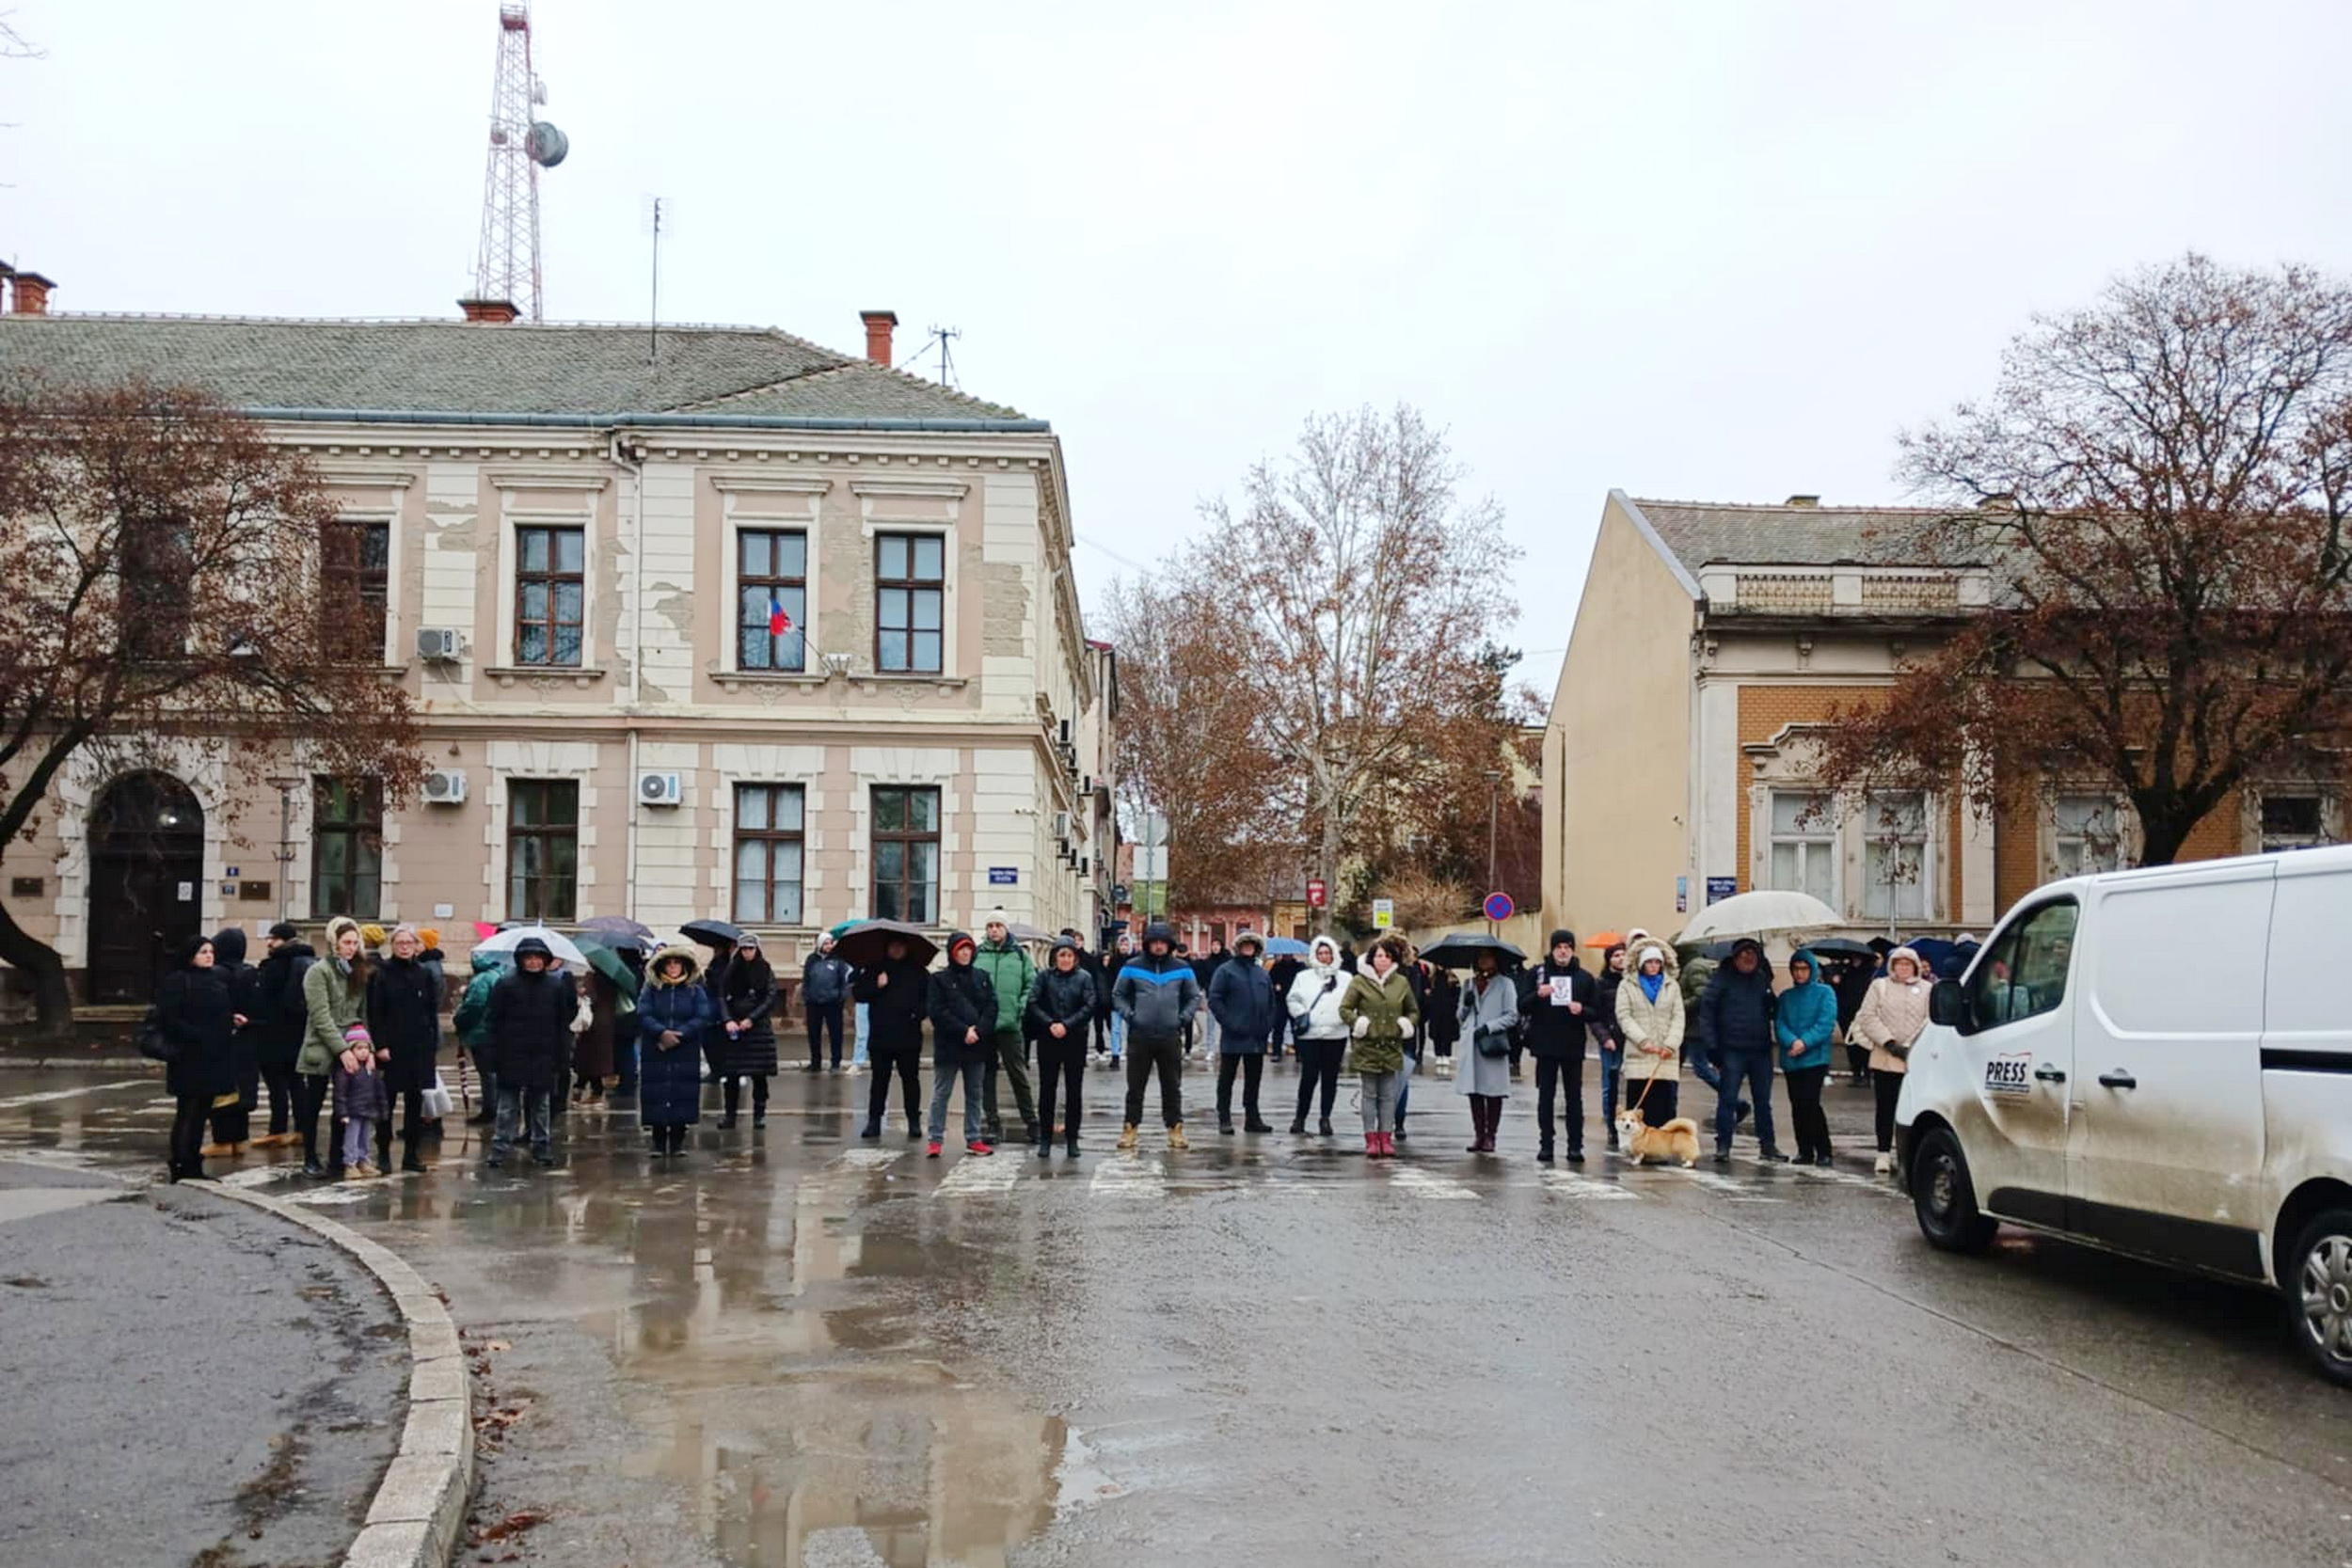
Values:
[(494, 310), (877, 327), (28, 294)]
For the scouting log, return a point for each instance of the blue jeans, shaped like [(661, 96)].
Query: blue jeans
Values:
[(1754, 1069), (1405, 1087), (1611, 1066), (859, 1056), (1702, 1060), (520, 1109), (943, 1079), (1118, 1036)]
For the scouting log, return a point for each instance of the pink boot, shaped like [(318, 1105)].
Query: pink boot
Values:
[(1372, 1145)]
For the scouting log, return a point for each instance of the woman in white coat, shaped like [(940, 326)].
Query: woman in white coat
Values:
[(1489, 1008), (1320, 1031)]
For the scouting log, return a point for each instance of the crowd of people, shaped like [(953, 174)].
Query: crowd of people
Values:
[(358, 1031)]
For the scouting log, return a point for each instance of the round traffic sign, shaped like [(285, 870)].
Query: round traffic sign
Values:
[(1499, 906)]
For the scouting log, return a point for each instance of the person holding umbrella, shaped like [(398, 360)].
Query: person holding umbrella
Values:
[(895, 994), (748, 1048), (1737, 1023), (1486, 1018), (963, 1014)]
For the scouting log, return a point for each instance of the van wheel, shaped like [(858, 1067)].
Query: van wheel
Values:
[(2319, 1293), (1946, 1199)]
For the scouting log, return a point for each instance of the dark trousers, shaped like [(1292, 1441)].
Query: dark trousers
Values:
[(234, 1124), (1318, 1069), (411, 1129), (187, 1134), (1252, 1070), (1890, 1088), (283, 1097), (1008, 1058), (907, 1062), (1804, 1109), (1561, 1073), (310, 1099), (731, 1092), (1660, 1098), (1166, 1058), (1858, 1061), (625, 1062), (1752, 1069), (1060, 1064), (823, 1016)]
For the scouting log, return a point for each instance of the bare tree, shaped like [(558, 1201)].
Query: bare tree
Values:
[(2159, 488), (1352, 597), (164, 605)]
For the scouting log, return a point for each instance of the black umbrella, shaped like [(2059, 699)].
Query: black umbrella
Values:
[(1461, 950), (1840, 947), (622, 934), (866, 943), (717, 934)]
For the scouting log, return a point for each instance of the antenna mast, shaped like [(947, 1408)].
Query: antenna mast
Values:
[(507, 268)]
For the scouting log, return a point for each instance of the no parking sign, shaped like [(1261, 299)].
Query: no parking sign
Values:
[(1499, 906)]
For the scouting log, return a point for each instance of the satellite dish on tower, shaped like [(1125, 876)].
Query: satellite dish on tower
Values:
[(547, 144)]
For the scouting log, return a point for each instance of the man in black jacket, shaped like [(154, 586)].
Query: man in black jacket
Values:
[(1063, 1005), (896, 994), (1737, 1013), (530, 1022), (963, 1015), (1558, 1004), (279, 1018)]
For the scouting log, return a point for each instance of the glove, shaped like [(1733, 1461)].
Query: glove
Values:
[(1363, 1027)]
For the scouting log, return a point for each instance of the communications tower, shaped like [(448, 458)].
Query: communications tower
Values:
[(507, 270)]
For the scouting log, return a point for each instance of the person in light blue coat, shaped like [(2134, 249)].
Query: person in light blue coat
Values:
[(1805, 1025)]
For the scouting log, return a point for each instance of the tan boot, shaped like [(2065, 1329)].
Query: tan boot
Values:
[(217, 1151), (1127, 1139), (1176, 1140)]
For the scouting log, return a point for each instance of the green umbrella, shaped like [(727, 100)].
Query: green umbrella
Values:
[(835, 931), (608, 963)]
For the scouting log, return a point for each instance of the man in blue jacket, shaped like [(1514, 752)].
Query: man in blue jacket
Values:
[(1737, 1013), (1242, 1000), (1156, 995)]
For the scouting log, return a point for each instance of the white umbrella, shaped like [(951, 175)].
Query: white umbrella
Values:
[(1769, 911), (558, 944)]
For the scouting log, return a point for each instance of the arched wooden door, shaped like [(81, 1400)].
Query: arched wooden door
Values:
[(146, 882)]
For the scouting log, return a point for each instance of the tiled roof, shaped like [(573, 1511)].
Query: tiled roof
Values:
[(479, 369), (1699, 532)]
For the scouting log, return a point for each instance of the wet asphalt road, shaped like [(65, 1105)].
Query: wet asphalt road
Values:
[(794, 1348)]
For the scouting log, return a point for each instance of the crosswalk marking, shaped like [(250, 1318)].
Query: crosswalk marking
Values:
[(869, 1159), (979, 1178), (1123, 1177), (1570, 1183), (1428, 1184), (1732, 1188), (17, 1102)]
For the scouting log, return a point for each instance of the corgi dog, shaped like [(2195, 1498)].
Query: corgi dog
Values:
[(1678, 1140)]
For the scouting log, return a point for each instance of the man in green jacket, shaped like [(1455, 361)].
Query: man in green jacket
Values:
[(1010, 973)]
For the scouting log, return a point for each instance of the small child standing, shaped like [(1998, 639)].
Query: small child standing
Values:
[(360, 1100)]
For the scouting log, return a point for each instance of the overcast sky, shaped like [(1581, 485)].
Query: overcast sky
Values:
[(1720, 251)]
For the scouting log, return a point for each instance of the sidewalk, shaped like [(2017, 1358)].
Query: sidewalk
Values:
[(190, 1380)]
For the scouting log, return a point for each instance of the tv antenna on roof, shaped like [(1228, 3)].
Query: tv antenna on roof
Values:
[(507, 268), (939, 337)]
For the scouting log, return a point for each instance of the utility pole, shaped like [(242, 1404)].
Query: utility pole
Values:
[(1494, 814), (285, 788)]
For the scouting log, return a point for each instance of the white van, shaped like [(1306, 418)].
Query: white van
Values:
[(2157, 1062)]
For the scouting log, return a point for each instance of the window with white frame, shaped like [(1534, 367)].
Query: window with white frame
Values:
[(2089, 835), (1895, 865), (2292, 820), (1804, 845), (767, 850)]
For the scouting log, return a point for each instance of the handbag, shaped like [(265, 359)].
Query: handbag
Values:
[(1493, 1042), (438, 1103), (152, 1042)]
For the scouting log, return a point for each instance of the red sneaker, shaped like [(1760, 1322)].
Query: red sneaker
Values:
[(934, 1149), (981, 1147)]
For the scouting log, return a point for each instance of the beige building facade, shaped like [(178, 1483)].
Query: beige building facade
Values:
[(1712, 646), (736, 627)]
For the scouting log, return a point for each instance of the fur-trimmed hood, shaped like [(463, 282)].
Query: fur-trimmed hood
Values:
[(675, 950)]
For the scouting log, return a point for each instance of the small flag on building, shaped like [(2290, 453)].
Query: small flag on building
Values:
[(778, 622)]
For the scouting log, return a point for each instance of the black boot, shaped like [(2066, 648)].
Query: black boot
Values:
[(732, 1091), (1255, 1123), (1325, 1127), (872, 1129), (1298, 1128)]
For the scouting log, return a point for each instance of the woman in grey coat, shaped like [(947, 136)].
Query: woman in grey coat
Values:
[(1489, 1008)]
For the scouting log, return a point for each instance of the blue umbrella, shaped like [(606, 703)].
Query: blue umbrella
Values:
[(1285, 947)]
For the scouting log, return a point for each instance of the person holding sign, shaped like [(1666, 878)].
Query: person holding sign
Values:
[(1559, 1008)]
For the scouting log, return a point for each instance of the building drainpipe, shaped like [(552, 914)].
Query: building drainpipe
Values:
[(622, 455)]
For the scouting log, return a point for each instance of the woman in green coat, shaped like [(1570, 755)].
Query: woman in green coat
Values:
[(334, 997), (1380, 1011)]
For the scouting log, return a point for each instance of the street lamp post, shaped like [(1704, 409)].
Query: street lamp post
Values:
[(286, 787)]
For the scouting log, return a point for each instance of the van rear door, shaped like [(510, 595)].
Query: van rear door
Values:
[(2168, 1047)]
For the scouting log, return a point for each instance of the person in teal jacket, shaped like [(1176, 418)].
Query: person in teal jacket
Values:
[(1806, 1025), (474, 1033)]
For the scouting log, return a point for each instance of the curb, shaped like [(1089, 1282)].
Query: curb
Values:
[(414, 1519)]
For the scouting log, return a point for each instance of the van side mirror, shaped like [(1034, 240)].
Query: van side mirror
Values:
[(1947, 1005)]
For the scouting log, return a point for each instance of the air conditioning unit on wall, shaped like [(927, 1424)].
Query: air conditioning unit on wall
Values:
[(660, 789), (445, 786), (437, 644)]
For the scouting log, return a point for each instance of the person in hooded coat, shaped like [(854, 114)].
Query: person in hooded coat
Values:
[(1890, 1022), (403, 1020), (963, 1014), (279, 1016), (1607, 1037), (531, 1022), (1650, 1016), (1805, 1024), (1736, 1023), (896, 994), (1559, 999), (677, 1020), (1445, 1001), (748, 1047), (1158, 994), (473, 1033), (1319, 1031), (334, 997), (232, 1124), (1486, 1017), (1061, 1008), (196, 1016), (1242, 999), (825, 979), (1380, 1009)]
